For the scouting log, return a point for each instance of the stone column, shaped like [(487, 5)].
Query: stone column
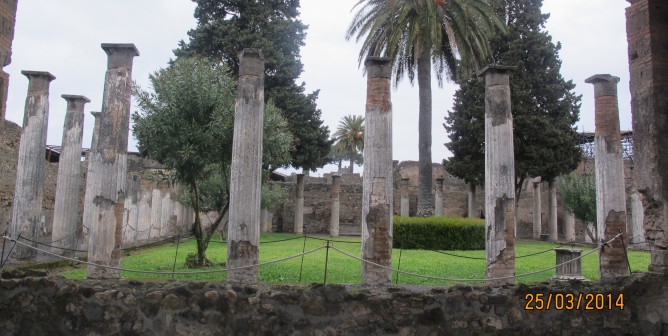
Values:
[(246, 169), (537, 211), (336, 203), (471, 201), (552, 227), (264, 220), (144, 216), (166, 210), (499, 174), (647, 32), (610, 190), (131, 225), (109, 162), (299, 205), (405, 202), (377, 177), (8, 19), (438, 197), (569, 227), (89, 193), (637, 219), (28, 191), (65, 210), (156, 212)]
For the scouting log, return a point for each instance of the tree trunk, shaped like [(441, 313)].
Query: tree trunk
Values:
[(352, 162), (202, 244), (518, 191), (424, 206), (340, 162), (590, 230)]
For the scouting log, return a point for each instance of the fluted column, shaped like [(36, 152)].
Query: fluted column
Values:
[(405, 201), (499, 174), (438, 198), (610, 189), (109, 162), (569, 227), (65, 210), (552, 227), (89, 193), (472, 201), (246, 169), (28, 191), (336, 204), (299, 205), (377, 179), (537, 211)]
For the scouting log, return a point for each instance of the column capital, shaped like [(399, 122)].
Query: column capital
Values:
[(604, 84), (96, 114), (38, 75), (69, 98), (378, 67), (251, 62), (120, 55), (111, 48), (336, 177), (496, 68)]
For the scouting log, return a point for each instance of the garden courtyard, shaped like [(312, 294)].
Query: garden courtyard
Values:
[(344, 269)]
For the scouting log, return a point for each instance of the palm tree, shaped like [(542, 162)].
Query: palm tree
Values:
[(349, 138), (453, 34)]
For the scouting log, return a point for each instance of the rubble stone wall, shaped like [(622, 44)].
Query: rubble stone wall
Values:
[(55, 306)]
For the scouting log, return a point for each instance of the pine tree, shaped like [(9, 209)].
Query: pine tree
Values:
[(544, 106), (226, 27), (467, 142)]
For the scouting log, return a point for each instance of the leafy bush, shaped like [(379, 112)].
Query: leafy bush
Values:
[(439, 233), (577, 191)]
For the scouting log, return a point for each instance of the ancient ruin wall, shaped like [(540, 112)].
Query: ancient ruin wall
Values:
[(7, 20), (55, 306), (179, 222), (317, 201)]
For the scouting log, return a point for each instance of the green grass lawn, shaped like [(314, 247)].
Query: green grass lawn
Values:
[(343, 269)]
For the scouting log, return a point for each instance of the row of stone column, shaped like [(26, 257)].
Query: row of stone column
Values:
[(499, 186), (151, 214), (404, 192), (499, 176), (107, 161)]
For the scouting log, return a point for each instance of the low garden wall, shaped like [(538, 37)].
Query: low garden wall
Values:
[(42, 305)]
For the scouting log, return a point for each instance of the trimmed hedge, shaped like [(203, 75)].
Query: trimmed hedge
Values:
[(439, 233)]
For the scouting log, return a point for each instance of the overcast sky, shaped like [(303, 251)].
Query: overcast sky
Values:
[(64, 37)]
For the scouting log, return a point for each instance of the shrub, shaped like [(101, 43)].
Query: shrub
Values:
[(439, 233)]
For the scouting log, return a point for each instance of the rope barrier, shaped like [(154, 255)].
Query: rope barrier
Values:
[(50, 246), (163, 273), (279, 241), (475, 280), (328, 246), (537, 253), (266, 242), (333, 241), (476, 258), (63, 238)]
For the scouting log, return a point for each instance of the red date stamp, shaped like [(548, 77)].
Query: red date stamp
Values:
[(569, 301)]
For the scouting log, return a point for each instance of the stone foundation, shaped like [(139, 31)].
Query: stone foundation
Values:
[(55, 306)]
